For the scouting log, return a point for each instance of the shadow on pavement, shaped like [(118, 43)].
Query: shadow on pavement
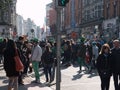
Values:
[(50, 84), (23, 87), (3, 87), (6, 86), (1, 68), (2, 77), (1, 65), (75, 65), (92, 75), (63, 67), (5, 81), (31, 85), (77, 76)]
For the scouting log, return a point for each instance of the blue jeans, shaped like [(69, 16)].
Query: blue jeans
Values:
[(48, 73)]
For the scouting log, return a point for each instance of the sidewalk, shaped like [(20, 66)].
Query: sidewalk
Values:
[(27, 81)]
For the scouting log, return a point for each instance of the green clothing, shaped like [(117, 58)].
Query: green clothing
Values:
[(36, 69), (80, 61)]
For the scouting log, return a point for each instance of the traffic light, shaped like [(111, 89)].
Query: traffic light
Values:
[(62, 2)]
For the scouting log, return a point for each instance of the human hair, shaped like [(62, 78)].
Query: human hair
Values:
[(11, 46), (116, 43), (104, 47), (47, 48), (116, 40), (21, 38)]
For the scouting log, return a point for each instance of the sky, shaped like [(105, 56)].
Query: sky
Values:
[(34, 9)]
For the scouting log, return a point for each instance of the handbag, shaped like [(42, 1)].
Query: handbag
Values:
[(18, 64)]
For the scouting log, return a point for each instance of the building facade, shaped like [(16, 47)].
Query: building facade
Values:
[(7, 18), (50, 20), (27, 28), (111, 24), (93, 19)]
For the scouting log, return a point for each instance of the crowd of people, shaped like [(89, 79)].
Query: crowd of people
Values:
[(90, 54)]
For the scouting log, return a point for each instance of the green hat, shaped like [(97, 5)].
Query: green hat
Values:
[(35, 40), (1, 39), (82, 39)]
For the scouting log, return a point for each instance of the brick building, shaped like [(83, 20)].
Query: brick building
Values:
[(92, 18), (111, 24), (51, 17)]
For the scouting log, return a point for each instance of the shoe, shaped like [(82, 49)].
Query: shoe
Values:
[(79, 71), (38, 81), (47, 80), (51, 80), (35, 81)]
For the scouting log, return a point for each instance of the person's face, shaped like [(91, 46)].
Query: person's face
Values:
[(106, 50), (116, 44)]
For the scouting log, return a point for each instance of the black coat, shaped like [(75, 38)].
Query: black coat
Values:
[(103, 65), (9, 63), (115, 57), (47, 58)]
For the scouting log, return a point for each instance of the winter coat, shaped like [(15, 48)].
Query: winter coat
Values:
[(115, 57), (47, 58), (103, 65), (9, 63)]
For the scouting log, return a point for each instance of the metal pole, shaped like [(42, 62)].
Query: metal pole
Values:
[(58, 73)]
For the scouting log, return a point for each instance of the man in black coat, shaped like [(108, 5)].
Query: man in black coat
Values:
[(115, 65)]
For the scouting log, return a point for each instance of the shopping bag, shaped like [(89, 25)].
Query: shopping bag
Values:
[(18, 64)]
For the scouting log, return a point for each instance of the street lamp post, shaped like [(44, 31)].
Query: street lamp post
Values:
[(58, 23), (58, 74)]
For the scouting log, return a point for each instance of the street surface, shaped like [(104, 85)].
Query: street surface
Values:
[(71, 80), (27, 81)]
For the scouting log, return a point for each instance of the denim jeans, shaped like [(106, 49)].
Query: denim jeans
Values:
[(48, 73)]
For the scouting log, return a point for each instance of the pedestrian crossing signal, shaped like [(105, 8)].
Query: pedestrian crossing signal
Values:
[(62, 2)]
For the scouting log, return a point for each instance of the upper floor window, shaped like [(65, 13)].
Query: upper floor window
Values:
[(108, 12), (115, 8)]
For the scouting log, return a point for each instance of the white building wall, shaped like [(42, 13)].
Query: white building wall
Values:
[(24, 27)]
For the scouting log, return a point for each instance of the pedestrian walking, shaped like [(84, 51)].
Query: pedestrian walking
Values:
[(115, 54), (36, 58), (103, 66), (95, 52), (9, 65), (81, 54), (48, 61)]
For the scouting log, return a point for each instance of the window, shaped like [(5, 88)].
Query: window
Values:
[(108, 11), (0, 16), (115, 9)]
